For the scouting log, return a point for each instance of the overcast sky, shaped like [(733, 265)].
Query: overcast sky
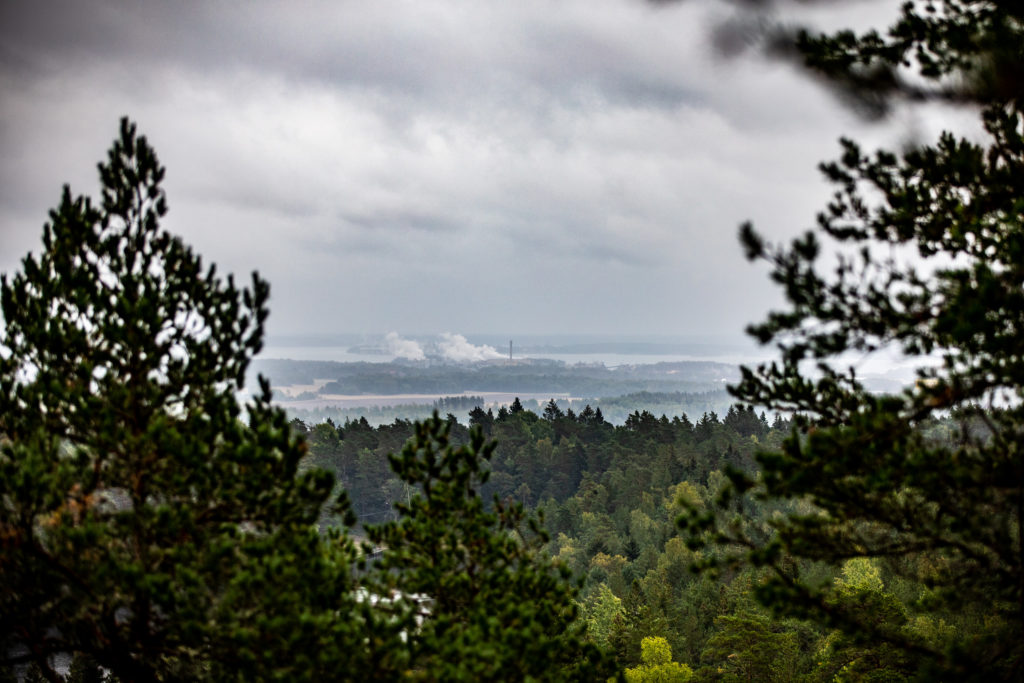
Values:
[(420, 166)]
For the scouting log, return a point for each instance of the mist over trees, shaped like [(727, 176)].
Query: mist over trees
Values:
[(529, 376)]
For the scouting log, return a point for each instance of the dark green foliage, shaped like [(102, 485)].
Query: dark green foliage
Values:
[(745, 421), (638, 620), (608, 494), (617, 526), (145, 522), (705, 427), (552, 412), (472, 594), (746, 647), (931, 261), (84, 669), (946, 50), (481, 419), (539, 459)]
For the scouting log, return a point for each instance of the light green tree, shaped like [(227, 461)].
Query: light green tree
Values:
[(656, 665), (860, 591), (860, 574), (599, 611)]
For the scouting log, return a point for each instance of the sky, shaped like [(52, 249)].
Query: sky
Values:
[(430, 166)]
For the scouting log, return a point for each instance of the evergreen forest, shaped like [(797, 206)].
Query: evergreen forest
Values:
[(611, 498)]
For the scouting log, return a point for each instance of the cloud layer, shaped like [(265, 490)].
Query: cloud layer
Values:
[(524, 167)]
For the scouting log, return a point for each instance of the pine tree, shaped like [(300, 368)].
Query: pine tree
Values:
[(146, 522), (865, 477), (552, 412), (472, 596)]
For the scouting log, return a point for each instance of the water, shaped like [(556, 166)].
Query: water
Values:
[(339, 354), (886, 364)]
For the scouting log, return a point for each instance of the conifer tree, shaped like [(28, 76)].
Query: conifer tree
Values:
[(930, 246), (467, 593), (146, 524), (552, 412)]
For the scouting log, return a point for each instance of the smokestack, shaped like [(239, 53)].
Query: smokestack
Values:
[(509, 350)]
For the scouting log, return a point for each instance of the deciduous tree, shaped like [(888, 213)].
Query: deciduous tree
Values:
[(656, 665)]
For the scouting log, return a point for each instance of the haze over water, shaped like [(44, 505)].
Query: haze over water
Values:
[(610, 351)]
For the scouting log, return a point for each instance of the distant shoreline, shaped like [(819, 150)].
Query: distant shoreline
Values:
[(491, 398)]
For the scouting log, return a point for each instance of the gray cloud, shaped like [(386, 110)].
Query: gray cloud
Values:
[(429, 166)]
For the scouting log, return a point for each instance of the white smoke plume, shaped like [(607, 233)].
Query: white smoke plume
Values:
[(404, 348), (455, 347)]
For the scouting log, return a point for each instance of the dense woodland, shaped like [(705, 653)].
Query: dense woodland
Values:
[(550, 457), (615, 409), (611, 497)]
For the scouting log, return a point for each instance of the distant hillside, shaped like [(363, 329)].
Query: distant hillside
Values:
[(528, 376)]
